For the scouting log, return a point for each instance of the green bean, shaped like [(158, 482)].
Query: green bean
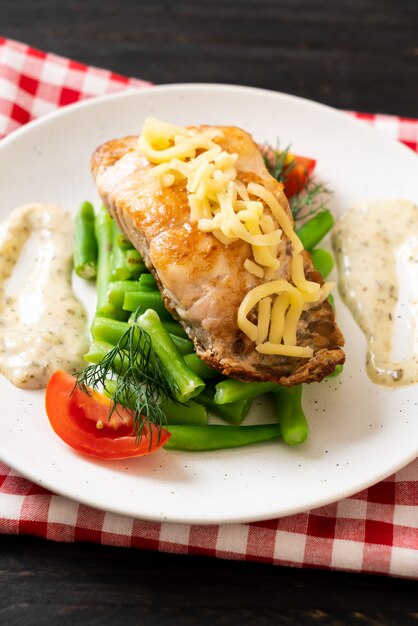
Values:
[(287, 400), (199, 367), (120, 270), (147, 282), (98, 351), (85, 244), (146, 300), (135, 263), (111, 330), (107, 329), (231, 390), (315, 229), (201, 438), (117, 290), (190, 413), (290, 416), (234, 412), (147, 285), (104, 237), (127, 263), (123, 242), (185, 383), (174, 328), (323, 261), (183, 345), (338, 370)]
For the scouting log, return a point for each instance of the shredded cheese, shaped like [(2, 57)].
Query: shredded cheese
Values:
[(263, 321), (303, 352), (223, 205), (253, 268), (278, 316)]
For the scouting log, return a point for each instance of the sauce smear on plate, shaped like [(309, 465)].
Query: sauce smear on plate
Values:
[(43, 325), (376, 245)]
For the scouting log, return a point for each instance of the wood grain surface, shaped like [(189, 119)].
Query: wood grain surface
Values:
[(42, 582), (352, 54)]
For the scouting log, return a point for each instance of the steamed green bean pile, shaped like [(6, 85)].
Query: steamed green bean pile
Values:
[(129, 303)]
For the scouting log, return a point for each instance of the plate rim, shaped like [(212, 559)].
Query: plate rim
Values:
[(235, 519), (133, 92)]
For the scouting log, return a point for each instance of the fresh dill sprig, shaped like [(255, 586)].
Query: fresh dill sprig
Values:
[(277, 162), (140, 382), (308, 201)]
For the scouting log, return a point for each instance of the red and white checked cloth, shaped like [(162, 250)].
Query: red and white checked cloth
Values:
[(374, 531)]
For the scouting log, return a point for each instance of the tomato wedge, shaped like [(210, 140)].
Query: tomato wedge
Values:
[(299, 168), (82, 421)]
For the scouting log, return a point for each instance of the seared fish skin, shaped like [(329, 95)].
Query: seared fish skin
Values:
[(202, 281)]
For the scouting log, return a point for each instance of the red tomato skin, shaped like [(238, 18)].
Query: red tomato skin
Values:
[(70, 422), (302, 168)]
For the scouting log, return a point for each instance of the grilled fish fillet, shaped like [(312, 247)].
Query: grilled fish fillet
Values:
[(202, 281)]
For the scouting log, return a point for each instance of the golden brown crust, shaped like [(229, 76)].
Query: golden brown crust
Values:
[(201, 280)]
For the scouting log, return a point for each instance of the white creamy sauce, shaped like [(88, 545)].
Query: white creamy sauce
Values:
[(43, 325), (376, 246)]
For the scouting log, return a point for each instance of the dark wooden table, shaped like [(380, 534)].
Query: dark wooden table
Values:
[(352, 54)]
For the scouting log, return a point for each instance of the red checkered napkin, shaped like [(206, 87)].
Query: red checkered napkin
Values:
[(373, 531)]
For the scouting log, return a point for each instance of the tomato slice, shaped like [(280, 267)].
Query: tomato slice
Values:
[(82, 421), (299, 170)]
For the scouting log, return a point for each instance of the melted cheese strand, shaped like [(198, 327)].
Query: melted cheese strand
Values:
[(298, 276), (263, 321), (278, 212), (253, 268), (231, 225), (323, 293), (303, 352), (152, 147), (292, 318), (278, 315), (255, 295), (224, 206), (264, 256)]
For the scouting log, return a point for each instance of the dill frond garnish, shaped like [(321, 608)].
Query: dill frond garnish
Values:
[(276, 161), (310, 200), (140, 384)]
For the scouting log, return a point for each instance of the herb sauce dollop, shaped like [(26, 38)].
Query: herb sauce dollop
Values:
[(376, 247), (43, 325)]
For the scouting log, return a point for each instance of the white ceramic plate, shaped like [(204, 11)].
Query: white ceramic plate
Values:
[(360, 432)]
